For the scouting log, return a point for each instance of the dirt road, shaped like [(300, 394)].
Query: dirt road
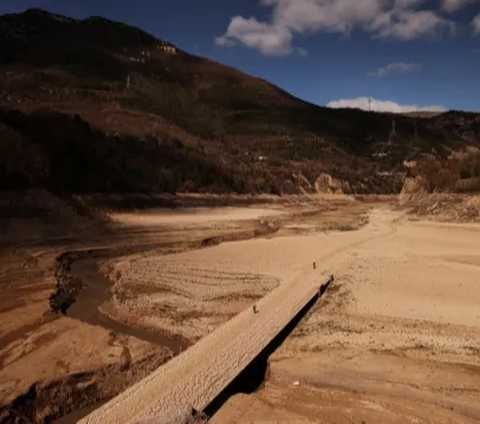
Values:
[(194, 378)]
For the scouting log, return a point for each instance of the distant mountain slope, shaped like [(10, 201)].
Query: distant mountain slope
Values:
[(222, 129)]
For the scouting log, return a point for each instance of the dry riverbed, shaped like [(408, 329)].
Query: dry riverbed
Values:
[(395, 339), (117, 331)]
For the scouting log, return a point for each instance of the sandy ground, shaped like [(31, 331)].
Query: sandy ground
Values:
[(192, 216), (192, 293), (51, 364), (196, 376), (442, 207), (394, 341), (401, 324)]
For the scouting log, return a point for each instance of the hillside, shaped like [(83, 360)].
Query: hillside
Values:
[(96, 105)]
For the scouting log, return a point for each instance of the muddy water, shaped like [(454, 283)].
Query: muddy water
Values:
[(97, 292), (77, 415), (85, 308)]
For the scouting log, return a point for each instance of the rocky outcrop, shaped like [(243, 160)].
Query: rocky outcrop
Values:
[(328, 185), (413, 188)]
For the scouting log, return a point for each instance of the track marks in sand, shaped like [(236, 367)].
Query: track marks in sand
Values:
[(196, 377), (184, 299)]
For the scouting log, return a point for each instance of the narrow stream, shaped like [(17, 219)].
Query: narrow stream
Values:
[(85, 308), (78, 414), (97, 292)]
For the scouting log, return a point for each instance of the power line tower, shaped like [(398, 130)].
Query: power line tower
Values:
[(392, 132)]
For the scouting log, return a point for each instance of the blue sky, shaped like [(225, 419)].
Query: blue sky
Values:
[(403, 54)]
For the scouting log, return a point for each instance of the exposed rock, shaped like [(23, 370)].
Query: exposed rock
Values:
[(326, 184), (302, 184), (413, 188)]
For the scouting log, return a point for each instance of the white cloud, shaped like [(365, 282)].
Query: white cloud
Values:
[(476, 24), (382, 106), (407, 25), (399, 19), (395, 67), (272, 40), (340, 16), (454, 5)]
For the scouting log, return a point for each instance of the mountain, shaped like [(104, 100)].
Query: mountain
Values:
[(96, 105)]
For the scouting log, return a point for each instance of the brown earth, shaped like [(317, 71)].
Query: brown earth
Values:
[(443, 207), (393, 341), (54, 364)]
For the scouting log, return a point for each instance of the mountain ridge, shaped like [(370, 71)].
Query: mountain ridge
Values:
[(127, 84)]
